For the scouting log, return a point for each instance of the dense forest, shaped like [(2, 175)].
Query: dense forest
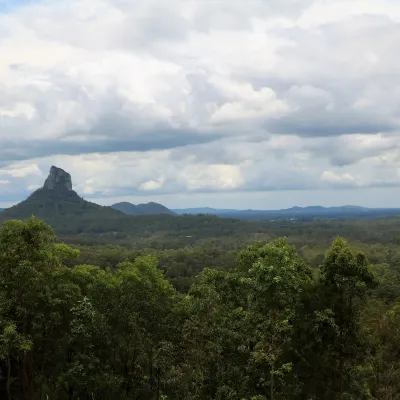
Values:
[(294, 313)]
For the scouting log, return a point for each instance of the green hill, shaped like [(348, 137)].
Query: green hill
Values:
[(63, 209), (125, 207), (78, 220), (142, 209)]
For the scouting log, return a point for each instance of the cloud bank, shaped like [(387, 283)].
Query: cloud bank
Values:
[(162, 98)]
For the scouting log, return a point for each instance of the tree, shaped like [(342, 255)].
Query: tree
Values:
[(329, 345), (274, 283), (240, 324), (30, 322), (215, 336), (27, 259)]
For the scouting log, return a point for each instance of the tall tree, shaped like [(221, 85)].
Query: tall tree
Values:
[(28, 259), (329, 342), (274, 281)]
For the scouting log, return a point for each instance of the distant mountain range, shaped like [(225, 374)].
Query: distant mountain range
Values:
[(58, 203), (292, 210), (201, 210), (347, 211), (142, 209)]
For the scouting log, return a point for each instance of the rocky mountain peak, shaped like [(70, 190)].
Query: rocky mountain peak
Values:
[(58, 179)]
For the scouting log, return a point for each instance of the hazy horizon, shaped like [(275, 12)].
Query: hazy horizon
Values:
[(260, 200)]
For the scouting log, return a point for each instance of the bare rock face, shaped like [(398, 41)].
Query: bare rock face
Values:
[(58, 179)]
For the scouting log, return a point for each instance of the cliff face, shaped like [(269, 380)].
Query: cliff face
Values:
[(58, 179)]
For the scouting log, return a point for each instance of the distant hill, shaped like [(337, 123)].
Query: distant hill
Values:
[(199, 210), (205, 210), (153, 208), (125, 207), (59, 205), (347, 211), (142, 209), (48, 204), (320, 209)]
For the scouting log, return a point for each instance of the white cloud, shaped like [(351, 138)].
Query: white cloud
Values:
[(19, 109), (215, 176), (338, 178), (328, 12), (243, 102), (152, 184), (21, 171)]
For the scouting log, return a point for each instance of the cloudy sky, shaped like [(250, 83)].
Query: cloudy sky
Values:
[(225, 103)]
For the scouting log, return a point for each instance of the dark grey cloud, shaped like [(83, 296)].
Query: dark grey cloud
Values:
[(155, 140), (328, 124)]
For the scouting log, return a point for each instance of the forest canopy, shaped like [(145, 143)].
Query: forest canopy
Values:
[(263, 324)]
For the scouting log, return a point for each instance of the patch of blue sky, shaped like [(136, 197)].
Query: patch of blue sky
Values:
[(10, 5)]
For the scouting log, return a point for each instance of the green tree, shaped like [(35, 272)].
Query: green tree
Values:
[(330, 343), (240, 322), (274, 282), (215, 336), (27, 260)]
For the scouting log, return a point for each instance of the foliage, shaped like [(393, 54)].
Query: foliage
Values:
[(211, 320)]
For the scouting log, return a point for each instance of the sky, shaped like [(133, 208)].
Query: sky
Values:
[(261, 104)]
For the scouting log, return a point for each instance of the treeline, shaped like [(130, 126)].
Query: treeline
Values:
[(169, 232), (269, 327), (181, 266)]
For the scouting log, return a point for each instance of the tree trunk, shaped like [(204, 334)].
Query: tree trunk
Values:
[(271, 385), (8, 378), (341, 348), (158, 385), (30, 376)]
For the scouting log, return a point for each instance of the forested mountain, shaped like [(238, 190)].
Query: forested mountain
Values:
[(150, 208), (125, 207), (61, 207), (58, 204)]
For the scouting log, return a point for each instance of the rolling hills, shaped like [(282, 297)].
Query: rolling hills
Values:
[(294, 212)]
